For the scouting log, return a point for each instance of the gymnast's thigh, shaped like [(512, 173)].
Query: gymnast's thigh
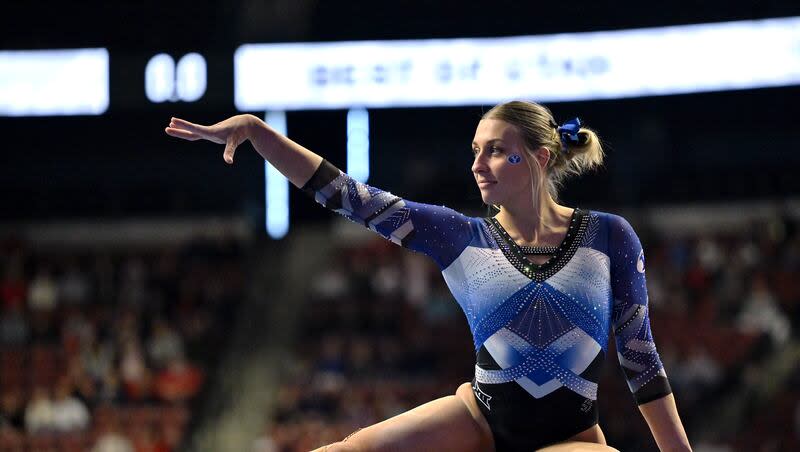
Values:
[(445, 424), (578, 446)]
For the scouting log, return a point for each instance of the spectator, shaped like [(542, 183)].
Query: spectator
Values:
[(697, 374), (386, 279), (111, 439), (43, 291), (97, 358), (69, 413), (709, 254), (133, 370), (109, 387), (761, 313), (146, 439), (12, 414), (39, 412), (74, 286), (165, 344), (86, 389), (14, 329), (179, 381), (12, 287), (331, 283), (76, 330)]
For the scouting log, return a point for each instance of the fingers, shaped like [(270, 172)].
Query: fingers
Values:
[(183, 129), (230, 148), (186, 125), (180, 128), (192, 131), (180, 133)]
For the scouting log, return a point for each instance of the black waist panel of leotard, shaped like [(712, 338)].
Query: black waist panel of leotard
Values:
[(523, 423)]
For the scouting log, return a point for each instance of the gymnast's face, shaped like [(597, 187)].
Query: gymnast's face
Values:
[(501, 166)]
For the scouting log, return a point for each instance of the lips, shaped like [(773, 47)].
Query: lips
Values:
[(486, 183)]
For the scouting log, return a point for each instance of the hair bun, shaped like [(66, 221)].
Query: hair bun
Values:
[(583, 138)]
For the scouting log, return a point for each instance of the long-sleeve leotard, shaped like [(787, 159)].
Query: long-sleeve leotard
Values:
[(540, 331)]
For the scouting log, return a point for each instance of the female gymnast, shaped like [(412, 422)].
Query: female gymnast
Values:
[(542, 286)]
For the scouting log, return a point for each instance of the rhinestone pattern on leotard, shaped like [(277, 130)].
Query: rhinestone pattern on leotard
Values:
[(562, 255)]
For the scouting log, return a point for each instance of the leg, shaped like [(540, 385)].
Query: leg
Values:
[(592, 434), (445, 424), (589, 440), (578, 446)]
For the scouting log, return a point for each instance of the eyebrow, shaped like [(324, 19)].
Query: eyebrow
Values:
[(493, 140)]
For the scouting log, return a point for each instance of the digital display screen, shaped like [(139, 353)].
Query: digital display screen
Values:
[(548, 68)]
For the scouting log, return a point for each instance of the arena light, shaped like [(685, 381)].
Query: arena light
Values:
[(560, 67), (54, 82), (276, 186), (358, 144)]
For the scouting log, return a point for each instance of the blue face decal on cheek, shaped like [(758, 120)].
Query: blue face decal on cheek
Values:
[(514, 159)]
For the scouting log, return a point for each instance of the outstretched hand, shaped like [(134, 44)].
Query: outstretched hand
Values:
[(231, 132)]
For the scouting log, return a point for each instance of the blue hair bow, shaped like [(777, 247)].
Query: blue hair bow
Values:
[(569, 133)]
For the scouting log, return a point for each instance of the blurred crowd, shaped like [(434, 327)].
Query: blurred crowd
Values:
[(381, 334), (107, 350)]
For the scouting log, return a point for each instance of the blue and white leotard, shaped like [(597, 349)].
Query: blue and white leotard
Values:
[(540, 331)]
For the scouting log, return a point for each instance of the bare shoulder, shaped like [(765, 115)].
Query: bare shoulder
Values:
[(578, 446)]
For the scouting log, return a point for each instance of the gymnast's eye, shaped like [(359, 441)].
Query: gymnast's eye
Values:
[(496, 150)]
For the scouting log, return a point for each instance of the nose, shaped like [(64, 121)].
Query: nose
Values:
[(479, 164)]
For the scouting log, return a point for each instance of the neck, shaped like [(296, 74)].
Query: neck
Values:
[(542, 225)]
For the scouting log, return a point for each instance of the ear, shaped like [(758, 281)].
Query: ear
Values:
[(542, 155)]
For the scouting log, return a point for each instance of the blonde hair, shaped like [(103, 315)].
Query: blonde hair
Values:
[(538, 129)]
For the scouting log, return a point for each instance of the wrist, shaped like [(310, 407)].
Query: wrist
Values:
[(250, 125), (255, 128)]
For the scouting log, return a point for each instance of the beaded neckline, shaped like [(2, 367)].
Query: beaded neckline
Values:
[(538, 250), (560, 256)]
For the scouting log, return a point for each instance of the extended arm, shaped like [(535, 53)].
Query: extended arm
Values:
[(436, 231), (665, 424)]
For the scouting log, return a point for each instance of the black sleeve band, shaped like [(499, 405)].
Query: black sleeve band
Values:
[(323, 176), (655, 389)]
